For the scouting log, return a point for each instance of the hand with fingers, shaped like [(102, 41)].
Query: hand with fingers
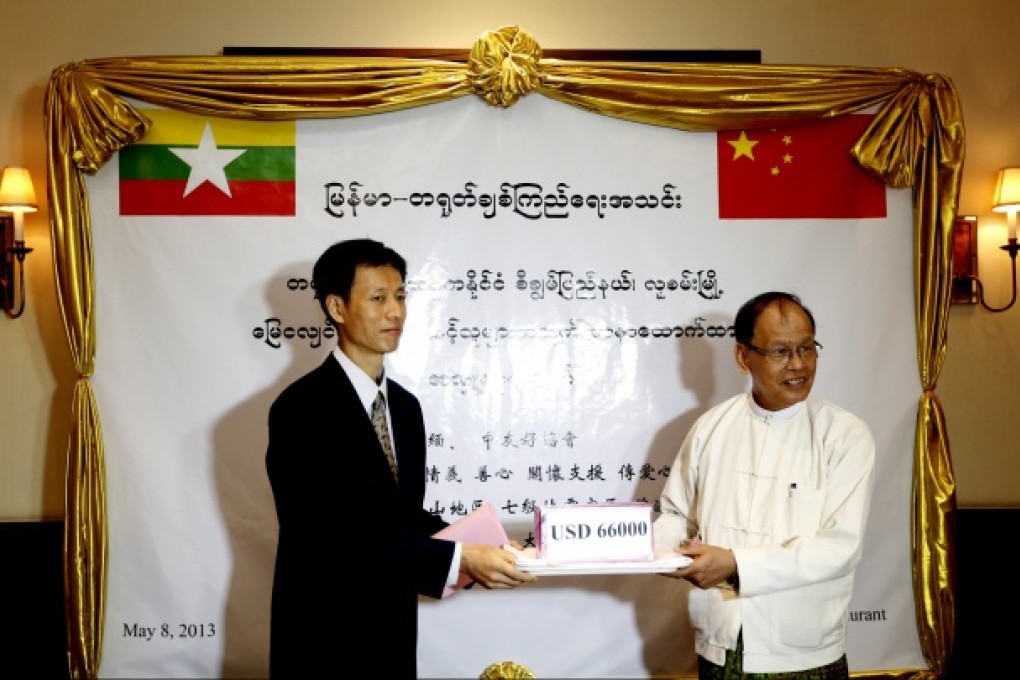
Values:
[(493, 567)]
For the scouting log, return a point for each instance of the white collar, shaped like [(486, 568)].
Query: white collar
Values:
[(363, 383), (768, 416)]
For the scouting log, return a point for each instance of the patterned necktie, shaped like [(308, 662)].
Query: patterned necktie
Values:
[(381, 431)]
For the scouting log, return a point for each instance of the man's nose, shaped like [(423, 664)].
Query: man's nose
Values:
[(396, 308)]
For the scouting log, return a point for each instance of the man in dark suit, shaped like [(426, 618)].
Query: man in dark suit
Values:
[(355, 543)]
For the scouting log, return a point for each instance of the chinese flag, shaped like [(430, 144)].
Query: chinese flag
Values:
[(802, 171), (197, 165)]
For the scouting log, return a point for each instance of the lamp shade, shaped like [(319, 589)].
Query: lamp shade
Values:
[(16, 192), (1007, 191)]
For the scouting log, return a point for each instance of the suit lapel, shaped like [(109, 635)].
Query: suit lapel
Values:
[(362, 434)]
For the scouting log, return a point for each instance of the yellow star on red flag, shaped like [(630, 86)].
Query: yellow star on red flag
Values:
[(742, 146), (803, 171)]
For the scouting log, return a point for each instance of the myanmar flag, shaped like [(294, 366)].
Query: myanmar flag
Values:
[(802, 171), (197, 165)]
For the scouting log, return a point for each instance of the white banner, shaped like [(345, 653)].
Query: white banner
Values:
[(571, 288)]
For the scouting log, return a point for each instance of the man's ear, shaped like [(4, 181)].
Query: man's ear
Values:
[(740, 354), (335, 307)]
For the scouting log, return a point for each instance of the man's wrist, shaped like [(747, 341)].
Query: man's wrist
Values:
[(733, 580)]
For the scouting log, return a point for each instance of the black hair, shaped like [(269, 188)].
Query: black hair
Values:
[(333, 273), (747, 315)]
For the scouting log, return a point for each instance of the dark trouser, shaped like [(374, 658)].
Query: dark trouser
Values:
[(734, 669)]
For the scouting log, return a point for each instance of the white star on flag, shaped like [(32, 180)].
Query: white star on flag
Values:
[(207, 162)]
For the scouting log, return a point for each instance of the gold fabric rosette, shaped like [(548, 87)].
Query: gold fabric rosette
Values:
[(503, 65), (505, 670)]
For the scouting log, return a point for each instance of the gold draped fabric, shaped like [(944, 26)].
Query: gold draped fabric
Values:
[(915, 141)]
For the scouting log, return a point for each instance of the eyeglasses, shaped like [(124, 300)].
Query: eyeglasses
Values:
[(782, 355)]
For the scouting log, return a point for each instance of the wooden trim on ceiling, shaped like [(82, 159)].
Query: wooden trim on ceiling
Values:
[(460, 55)]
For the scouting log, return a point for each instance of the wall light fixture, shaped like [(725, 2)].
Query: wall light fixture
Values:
[(17, 196), (1006, 200)]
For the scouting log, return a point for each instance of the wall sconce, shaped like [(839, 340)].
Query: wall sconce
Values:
[(17, 196), (1007, 200)]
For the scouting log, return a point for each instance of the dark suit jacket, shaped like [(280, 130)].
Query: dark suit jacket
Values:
[(354, 550)]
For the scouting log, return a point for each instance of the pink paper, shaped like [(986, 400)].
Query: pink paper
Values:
[(482, 526)]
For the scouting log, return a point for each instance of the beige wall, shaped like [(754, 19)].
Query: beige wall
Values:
[(975, 44)]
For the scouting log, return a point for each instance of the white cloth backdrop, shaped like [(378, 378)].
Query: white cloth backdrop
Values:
[(517, 384)]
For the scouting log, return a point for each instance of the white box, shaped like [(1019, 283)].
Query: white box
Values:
[(605, 532)]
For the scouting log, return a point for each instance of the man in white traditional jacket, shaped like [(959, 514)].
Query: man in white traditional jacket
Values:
[(769, 494)]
